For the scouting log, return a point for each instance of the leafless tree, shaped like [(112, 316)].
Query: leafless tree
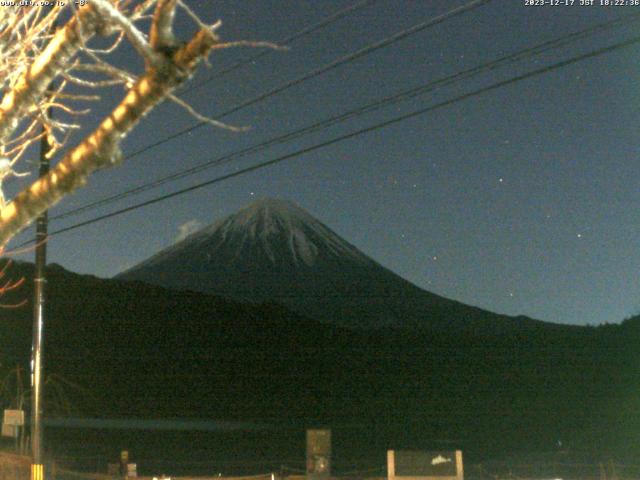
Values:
[(64, 46)]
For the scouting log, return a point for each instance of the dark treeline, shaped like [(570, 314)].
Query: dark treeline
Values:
[(147, 352)]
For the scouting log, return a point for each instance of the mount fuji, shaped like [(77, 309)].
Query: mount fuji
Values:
[(273, 251)]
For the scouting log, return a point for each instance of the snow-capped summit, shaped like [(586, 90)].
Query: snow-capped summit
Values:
[(285, 233), (275, 251), (270, 231)]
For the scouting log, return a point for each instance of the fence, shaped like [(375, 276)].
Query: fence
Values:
[(18, 467)]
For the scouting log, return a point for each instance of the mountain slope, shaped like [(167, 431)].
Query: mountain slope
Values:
[(274, 251), (144, 351)]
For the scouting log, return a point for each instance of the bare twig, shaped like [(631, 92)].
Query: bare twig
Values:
[(135, 36), (203, 118), (31, 58)]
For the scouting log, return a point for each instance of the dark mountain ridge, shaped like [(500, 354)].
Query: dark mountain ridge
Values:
[(144, 351), (425, 369)]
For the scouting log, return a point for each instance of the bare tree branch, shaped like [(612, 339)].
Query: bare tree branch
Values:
[(101, 149), (32, 57), (34, 82), (211, 121), (135, 36)]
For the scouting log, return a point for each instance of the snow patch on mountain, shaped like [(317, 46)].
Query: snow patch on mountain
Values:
[(271, 224), (279, 230), (274, 251)]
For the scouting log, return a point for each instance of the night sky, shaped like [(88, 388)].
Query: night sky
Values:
[(523, 200)]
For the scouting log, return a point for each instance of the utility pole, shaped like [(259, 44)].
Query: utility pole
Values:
[(40, 281)]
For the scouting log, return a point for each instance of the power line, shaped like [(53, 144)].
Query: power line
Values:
[(322, 70), (356, 133), (285, 41), (368, 108)]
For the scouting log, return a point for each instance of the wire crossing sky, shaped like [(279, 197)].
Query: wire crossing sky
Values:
[(402, 96), (322, 70), (517, 192), (348, 136)]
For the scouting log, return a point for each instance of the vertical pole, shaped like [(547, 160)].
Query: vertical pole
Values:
[(37, 467), (18, 407), (459, 465), (391, 464)]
